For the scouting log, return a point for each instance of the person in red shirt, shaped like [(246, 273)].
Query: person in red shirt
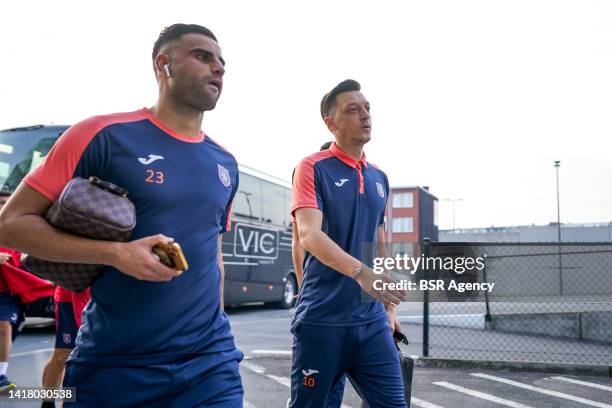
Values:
[(68, 309), (10, 311), (17, 288)]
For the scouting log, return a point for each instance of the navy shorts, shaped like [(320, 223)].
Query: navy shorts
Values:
[(12, 311), (205, 380), (9, 308), (65, 325), (323, 355)]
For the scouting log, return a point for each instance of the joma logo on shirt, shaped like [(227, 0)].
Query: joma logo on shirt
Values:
[(341, 182), (151, 159)]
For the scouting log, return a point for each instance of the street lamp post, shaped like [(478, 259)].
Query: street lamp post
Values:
[(557, 165), (453, 200)]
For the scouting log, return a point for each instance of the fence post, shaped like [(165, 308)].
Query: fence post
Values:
[(486, 293), (426, 252)]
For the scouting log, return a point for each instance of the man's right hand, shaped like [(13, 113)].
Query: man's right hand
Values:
[(137, 260), (366, 279)]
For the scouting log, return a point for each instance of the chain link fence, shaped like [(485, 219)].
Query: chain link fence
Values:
[(550, 302)]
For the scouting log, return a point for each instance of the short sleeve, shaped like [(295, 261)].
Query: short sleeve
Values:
[(80, 151), (306, 188)]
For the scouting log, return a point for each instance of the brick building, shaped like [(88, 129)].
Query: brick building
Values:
[(411, 216)]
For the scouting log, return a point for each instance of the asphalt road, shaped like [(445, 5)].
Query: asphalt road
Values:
[(447, 388), (259, 330)]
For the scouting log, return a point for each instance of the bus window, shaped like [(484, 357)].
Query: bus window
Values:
[(22, 150), (287, 211), (273, 207), (247, 201)]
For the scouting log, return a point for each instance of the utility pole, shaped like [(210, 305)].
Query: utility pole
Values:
[(557, 165)]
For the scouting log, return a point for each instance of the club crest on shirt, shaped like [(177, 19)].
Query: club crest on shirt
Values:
[(67, 338), (380, 189), (224, 176)]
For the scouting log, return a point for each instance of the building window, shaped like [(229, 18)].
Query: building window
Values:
[(403, 224), (403, 200)]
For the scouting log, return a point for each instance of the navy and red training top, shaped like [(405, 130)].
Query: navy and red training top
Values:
[(182, 187), (352, 196)]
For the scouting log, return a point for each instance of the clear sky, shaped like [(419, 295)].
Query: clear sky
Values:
[(474, 99)]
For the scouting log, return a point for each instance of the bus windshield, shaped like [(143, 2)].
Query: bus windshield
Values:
[(22, 150)]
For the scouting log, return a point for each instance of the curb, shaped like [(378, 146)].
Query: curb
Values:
[(433, 362), (475, 321), (559, 368)]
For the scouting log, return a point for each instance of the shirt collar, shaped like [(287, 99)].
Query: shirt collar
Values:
[(346, 159)]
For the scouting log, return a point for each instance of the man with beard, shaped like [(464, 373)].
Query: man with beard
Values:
[(151, 335)]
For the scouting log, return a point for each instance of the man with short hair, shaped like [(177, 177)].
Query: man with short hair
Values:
[(334, 399), (339, 203), (151, 336)]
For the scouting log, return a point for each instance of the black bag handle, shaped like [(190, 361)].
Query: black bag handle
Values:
[(110, 187), (400, 337)]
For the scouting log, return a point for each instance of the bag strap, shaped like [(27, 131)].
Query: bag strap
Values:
[(110, 187)]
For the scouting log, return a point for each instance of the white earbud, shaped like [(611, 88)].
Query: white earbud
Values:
[(167, 70)]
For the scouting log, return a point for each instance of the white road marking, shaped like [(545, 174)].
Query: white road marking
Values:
[(543, 391), (281, 380), (271, 353), (247, 404), (253, 367), (262, 371), (423, 404), (481, 395), (27, 353), (585, 383)]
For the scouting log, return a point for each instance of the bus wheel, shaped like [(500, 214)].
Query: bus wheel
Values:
[(289, 293)]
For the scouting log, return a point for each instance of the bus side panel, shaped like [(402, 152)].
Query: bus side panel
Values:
[(257, 260)]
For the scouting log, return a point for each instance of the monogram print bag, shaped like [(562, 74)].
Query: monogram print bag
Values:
[(91, 208)]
